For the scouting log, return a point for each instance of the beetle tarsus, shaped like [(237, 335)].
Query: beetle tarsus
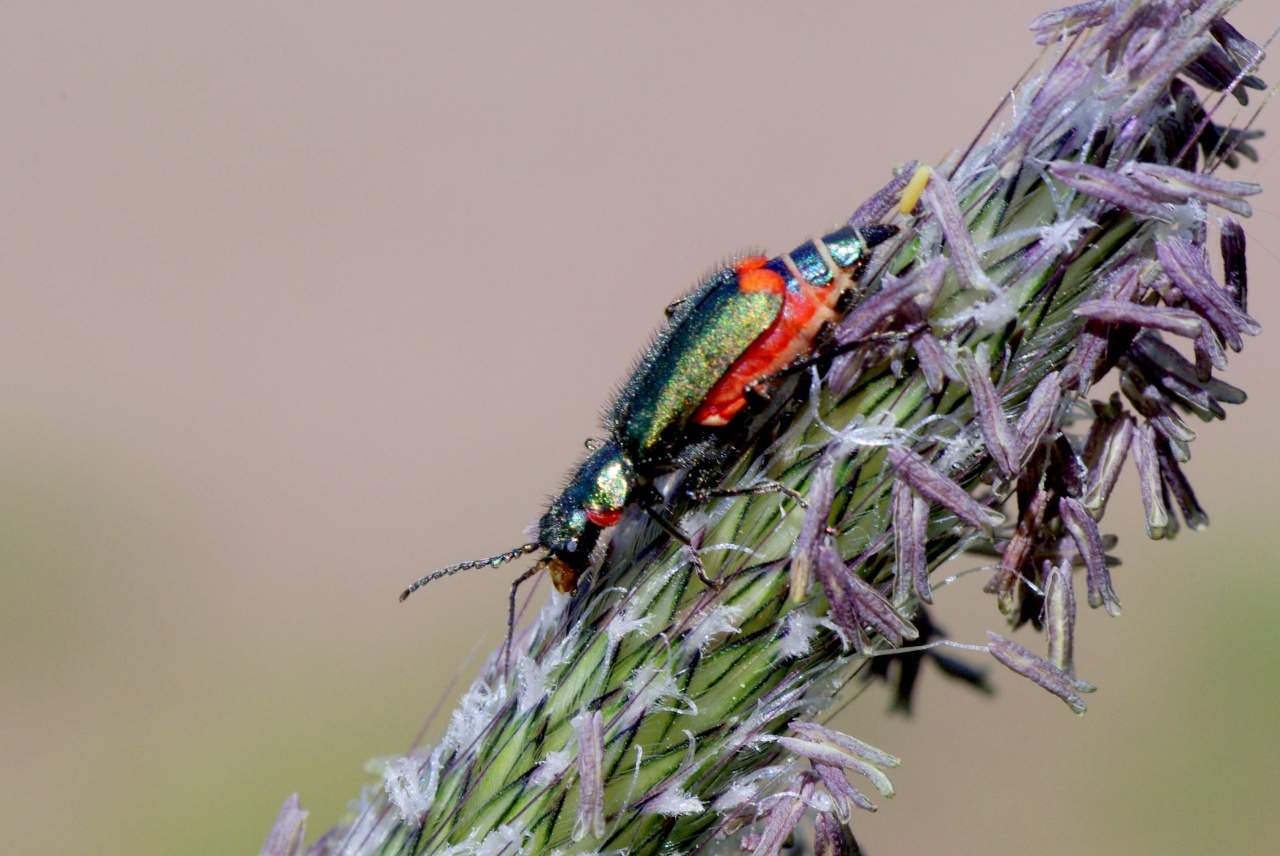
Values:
[(715, 584), (674, 305)]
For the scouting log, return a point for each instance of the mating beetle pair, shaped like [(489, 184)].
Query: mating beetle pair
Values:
[(739, 328)]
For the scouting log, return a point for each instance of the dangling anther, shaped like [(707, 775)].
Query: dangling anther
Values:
[(911, 193)]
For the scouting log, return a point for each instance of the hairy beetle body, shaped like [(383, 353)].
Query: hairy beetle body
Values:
[(737, 329)]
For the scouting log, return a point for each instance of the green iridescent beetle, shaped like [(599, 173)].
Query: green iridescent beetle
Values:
[(741, 326)]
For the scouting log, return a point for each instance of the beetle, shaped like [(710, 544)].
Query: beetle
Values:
[(738, 329)]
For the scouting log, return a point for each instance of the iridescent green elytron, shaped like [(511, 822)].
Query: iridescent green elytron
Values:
[(705, 336)]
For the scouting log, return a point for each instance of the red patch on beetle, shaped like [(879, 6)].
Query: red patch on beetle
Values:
[(604, 519), (761, 279)]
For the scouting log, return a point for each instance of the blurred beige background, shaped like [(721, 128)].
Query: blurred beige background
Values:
[(301, 300)]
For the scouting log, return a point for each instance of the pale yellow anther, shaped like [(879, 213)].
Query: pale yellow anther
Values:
[(911, 193)]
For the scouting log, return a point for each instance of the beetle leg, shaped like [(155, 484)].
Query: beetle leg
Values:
[(702, 572), (891, 337), (667, 525), (760, 488), (758, 390), (679, 535), (511, 611), (675, 305)]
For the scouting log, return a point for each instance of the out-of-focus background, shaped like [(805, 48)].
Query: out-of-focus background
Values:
[(300, 300)]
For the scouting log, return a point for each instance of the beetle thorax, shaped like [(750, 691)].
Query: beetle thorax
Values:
[(594, 499)]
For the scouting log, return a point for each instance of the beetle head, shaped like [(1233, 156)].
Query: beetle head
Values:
[(594, 499)]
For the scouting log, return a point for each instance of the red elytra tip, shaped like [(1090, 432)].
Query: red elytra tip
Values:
[(760, 279), (750, 263), (604, 519)]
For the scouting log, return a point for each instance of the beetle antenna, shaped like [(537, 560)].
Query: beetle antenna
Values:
[(491, 562)]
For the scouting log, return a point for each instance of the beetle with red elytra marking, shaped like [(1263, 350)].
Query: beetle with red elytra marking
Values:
[(739, 328)]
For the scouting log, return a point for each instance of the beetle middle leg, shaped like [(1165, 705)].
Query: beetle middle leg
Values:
[(759, 388), (760, 488), (889, 337), (680, 535)]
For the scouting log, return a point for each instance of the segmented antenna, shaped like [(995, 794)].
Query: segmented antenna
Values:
[(491, 562)]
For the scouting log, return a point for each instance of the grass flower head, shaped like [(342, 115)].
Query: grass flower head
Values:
[(649, 713)]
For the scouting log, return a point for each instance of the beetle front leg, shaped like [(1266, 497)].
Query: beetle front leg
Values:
[(511, 612)]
